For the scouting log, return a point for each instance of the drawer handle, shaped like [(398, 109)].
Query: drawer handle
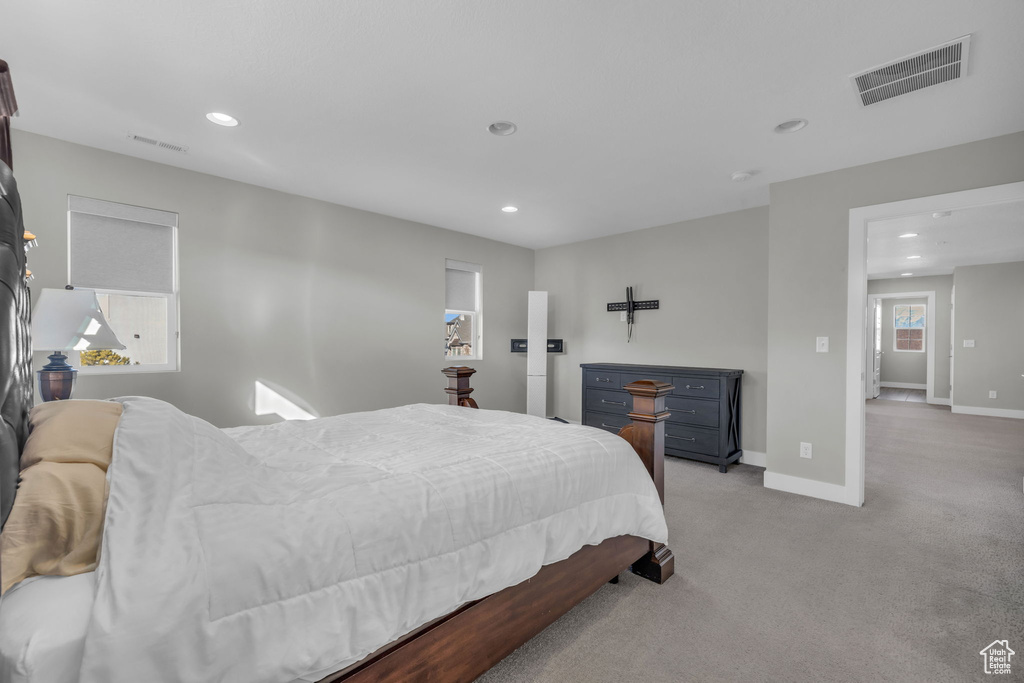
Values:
[(609, 426), (691, 412), (614, 403), (681, 438), (602, 379), (700, 388)]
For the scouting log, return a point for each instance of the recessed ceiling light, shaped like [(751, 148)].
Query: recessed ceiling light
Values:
[(222, 119), (942, 214), (910, 257), (502, 128), (791, 126), (510, 209), (740, 176), (905, 274), (908, 234)]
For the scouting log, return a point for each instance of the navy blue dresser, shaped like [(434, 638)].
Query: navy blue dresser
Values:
[(705, 407)]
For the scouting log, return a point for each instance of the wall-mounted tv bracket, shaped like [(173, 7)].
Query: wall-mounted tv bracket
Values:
[(519, 346), (629, 306)]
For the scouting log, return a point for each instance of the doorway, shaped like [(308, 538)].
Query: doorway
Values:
[(857, 309), (880, 316)]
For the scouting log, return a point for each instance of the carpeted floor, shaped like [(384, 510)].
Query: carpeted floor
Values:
[(771, 586)]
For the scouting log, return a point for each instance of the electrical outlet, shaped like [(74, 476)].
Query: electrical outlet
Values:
[(968, 343), (822, 345), (992, 394), (805, 449), (622, 317)]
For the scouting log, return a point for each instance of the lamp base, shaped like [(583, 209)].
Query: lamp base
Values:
[(57, 378)]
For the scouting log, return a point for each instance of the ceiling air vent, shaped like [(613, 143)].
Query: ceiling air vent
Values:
[(173, 147), (936, 65), (157, 143)]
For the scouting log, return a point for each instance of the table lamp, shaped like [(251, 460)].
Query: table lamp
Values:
[(67, 320)]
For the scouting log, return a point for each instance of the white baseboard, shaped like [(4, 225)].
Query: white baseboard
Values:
[(903, 385), (939, 402), (755, 458), (989, 412), (807, 487)]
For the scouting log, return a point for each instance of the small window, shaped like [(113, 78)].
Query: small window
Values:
[(128, 255), (909, 325), (462, 314)]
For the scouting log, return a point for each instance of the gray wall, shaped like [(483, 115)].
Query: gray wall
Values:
[(278, 286), (989, 310), (808, 253), (710, 276), (340, 306), (906, 367), (942, 285)]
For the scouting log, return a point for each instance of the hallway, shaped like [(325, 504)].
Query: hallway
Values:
[(892, 394)]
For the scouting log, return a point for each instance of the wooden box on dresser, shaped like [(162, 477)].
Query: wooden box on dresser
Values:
[(705, 407)]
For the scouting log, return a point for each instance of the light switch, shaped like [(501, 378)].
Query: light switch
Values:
[(968, 343), (822, 346)]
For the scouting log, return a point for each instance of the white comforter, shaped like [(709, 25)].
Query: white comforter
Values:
[(270, 553)]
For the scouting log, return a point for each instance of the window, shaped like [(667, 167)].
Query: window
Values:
[(462, 310), (909, 325), (128, 255)]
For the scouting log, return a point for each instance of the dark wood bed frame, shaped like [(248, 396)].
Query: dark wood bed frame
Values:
[(457, 647)]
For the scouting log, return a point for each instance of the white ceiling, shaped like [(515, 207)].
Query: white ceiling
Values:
[(969, 237), (630, 114)]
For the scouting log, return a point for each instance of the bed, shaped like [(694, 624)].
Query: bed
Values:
[(268, 543)]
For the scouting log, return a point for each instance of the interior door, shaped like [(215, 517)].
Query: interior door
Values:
[(876, 343)]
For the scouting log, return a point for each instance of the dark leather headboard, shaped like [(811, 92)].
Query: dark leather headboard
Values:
[(15, 344)]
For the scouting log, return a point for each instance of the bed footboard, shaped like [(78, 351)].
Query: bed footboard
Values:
[(647, 437), (458, 386)]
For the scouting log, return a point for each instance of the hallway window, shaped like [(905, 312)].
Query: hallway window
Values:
[(909, 322)]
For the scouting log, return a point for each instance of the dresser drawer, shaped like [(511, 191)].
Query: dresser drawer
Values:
[(627, 377), (610, 423), (601, 380), (684, 437), (692, 411), (607, 401), (695, 386)]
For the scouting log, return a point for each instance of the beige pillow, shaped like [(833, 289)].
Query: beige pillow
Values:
[(72, 431), (56, 524)]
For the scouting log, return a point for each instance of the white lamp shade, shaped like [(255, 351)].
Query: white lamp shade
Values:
[(70, 319)]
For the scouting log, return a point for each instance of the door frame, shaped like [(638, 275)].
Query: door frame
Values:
[(952, 338), (856, 309), (929, 334), (873, 388)]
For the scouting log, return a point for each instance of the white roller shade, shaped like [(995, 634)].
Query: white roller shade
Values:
[(115, 246), (460, 288)]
